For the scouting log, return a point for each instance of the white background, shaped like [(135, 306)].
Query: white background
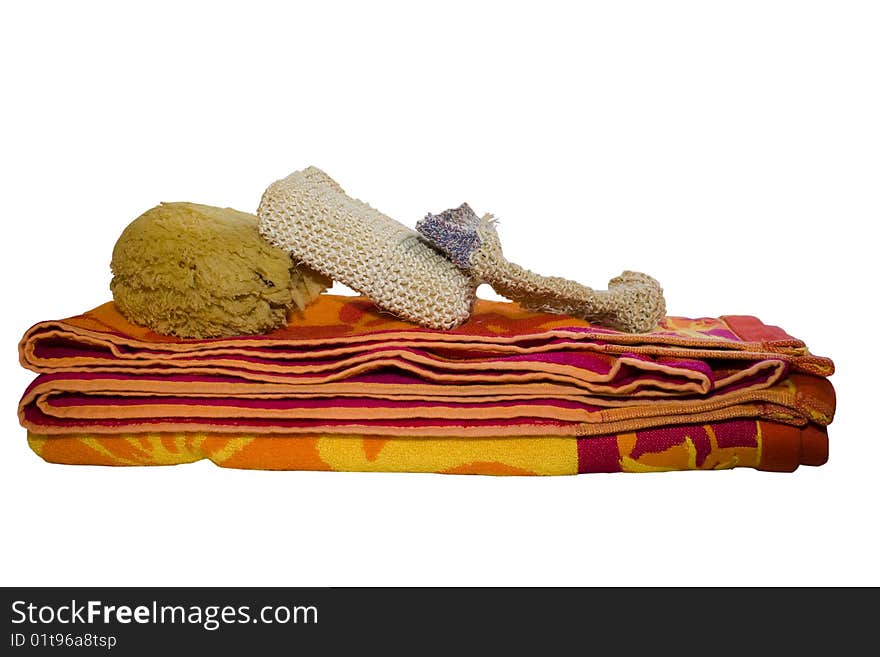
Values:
[(729, 149)]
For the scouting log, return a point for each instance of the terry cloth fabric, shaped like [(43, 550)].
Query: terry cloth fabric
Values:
[(346, 369), (721, 445)]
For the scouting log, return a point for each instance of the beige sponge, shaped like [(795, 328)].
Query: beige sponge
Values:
[(309, 215), (197, 271)]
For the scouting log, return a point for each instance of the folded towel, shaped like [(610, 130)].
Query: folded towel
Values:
[(757, 444), (347, 368)]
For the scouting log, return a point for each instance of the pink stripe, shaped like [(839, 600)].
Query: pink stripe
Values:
[(76, 401), (34, 416)]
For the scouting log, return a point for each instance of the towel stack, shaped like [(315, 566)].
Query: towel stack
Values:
[(346, 387)]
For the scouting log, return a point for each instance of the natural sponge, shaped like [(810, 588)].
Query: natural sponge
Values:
[(197, 271)]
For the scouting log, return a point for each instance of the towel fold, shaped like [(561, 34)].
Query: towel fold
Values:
[(345, 370), (721, 445)]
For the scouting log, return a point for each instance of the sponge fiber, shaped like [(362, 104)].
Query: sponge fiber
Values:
[(197, 271)]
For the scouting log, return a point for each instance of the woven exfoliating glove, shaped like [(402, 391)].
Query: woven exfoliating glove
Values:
[(309, 215), (431, 278), (633, 302)]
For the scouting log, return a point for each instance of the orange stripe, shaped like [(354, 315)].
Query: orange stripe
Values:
[(169, 444), (278, 453), (72, 451)]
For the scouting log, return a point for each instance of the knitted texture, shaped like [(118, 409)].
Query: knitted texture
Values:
[(309, 215), (633, 303), (197, 271)]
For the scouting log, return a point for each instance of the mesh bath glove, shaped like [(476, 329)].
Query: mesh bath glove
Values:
[(633, 302), (197, 271), (310, 216)]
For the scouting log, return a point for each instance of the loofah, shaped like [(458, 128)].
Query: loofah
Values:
[(197, 271), (633, 302), (309, 215)]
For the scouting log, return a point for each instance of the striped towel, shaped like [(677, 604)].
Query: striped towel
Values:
[(345, 371)]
